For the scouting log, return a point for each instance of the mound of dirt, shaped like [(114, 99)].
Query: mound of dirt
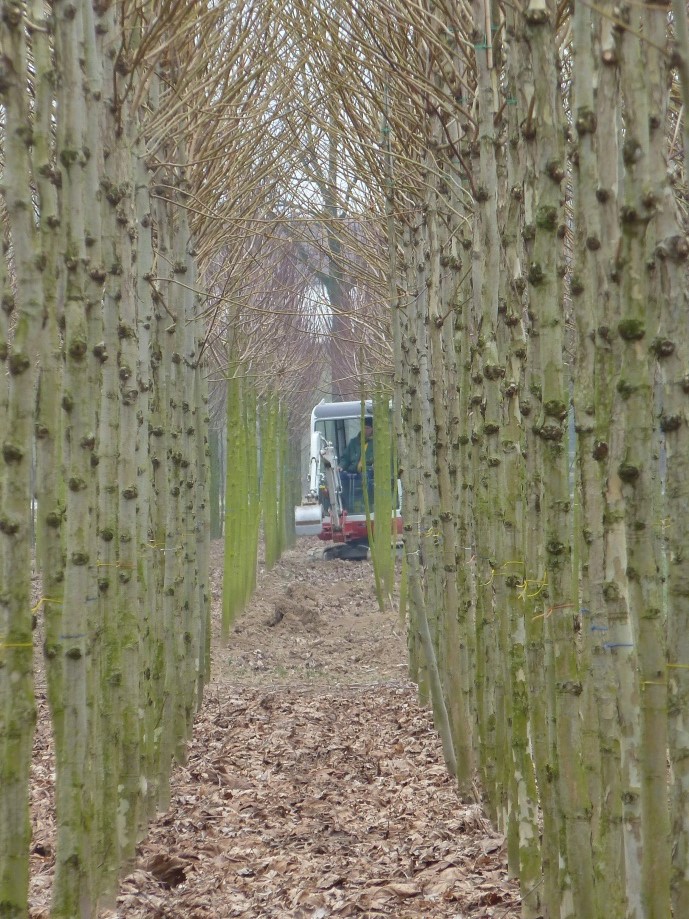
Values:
[(314, 621), (299, 607)]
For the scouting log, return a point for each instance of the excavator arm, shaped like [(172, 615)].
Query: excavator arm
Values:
[(331, 474)]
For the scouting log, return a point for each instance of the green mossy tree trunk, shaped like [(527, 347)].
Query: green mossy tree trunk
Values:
[(644, 158), (74, 890), (242, 496), (271, 476), (440, 312), (487, 376), (17, 705), (672, 253), (512, 343), (545, 157), (591, 292), (169, 528), (215, 479), (203, 521), (384, 497)]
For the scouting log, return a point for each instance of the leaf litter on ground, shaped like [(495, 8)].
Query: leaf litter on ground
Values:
[(314, 784)]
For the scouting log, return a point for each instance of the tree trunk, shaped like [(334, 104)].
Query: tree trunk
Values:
[(17, 706)]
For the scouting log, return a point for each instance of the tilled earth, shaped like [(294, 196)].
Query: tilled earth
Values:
[(314, 785)]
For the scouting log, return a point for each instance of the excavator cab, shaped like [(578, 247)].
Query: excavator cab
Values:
[(339, 432), (334, 508)]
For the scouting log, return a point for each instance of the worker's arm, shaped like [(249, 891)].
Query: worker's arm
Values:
[(347, 460)]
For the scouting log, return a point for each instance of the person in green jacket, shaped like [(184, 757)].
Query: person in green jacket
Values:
[(350, 461), (351, 467)]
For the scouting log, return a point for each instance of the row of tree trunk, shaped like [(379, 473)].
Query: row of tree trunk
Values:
[(262, 487), (540, 311), (103, 405)]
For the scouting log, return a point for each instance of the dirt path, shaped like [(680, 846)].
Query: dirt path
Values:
[(314, 785)]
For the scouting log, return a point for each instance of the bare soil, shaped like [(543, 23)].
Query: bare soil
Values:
[(314, 784)]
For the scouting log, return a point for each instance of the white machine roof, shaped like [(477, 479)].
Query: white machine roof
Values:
[(327, 411)]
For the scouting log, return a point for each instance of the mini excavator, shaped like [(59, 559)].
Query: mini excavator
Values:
[(334, 507)]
